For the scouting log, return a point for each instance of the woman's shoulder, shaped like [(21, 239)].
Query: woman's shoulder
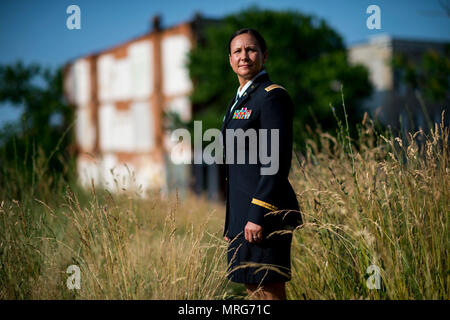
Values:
[(273, 86), (271, 90)]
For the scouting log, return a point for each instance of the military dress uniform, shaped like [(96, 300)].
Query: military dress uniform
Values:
[(267, 200)]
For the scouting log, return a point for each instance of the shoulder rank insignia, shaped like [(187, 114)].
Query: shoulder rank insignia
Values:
[(243, 113), (273, 86)]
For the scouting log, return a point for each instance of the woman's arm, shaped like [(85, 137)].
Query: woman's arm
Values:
[(277, 113)]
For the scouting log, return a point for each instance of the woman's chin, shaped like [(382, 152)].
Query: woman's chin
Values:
[(247, 75)]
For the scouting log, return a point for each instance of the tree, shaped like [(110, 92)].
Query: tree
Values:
[(428, 78), (42, 134), (306, 57)]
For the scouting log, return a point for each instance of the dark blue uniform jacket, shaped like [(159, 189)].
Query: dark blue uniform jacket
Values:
[(251, 196)]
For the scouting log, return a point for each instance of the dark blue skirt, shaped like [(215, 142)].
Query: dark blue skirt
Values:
[(259, 263)]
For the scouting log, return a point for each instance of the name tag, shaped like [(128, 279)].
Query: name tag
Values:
[(242, 114)]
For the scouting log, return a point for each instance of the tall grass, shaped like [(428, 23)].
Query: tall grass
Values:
[(126, 248), (385, 204), (380, 201)]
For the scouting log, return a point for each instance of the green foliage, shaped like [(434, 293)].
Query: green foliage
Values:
[(44, 127), (305, 56), (427, 78), (431, 76)]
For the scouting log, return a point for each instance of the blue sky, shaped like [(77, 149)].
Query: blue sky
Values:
[(35, 30)]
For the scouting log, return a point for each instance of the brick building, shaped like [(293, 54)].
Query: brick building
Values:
[(120, 95)]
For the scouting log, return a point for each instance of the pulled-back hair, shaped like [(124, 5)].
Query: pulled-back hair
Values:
[(253, 32)]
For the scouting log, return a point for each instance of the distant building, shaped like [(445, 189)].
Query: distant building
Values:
[(392, 100), (120, 95)]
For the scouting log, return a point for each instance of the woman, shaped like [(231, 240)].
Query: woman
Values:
[(258, 204)]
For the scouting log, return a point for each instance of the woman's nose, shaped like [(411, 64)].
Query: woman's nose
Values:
[(244, 55)]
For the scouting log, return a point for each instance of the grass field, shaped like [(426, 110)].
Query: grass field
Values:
[(383, 203)]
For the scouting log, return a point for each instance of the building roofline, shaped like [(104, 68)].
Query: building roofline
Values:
[(155, 29), (383, 38)]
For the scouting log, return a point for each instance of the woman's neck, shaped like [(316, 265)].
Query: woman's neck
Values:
[(242, 82)]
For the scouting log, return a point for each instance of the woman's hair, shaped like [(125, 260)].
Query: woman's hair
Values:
[(253, 32)]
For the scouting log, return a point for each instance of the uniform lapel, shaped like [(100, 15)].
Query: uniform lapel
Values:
[(227, 114), (244, 97)]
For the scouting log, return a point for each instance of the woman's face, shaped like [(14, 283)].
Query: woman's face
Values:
[(246, 58)]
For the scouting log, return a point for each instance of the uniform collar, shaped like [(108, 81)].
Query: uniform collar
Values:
[(249, 83), (256, 81)]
